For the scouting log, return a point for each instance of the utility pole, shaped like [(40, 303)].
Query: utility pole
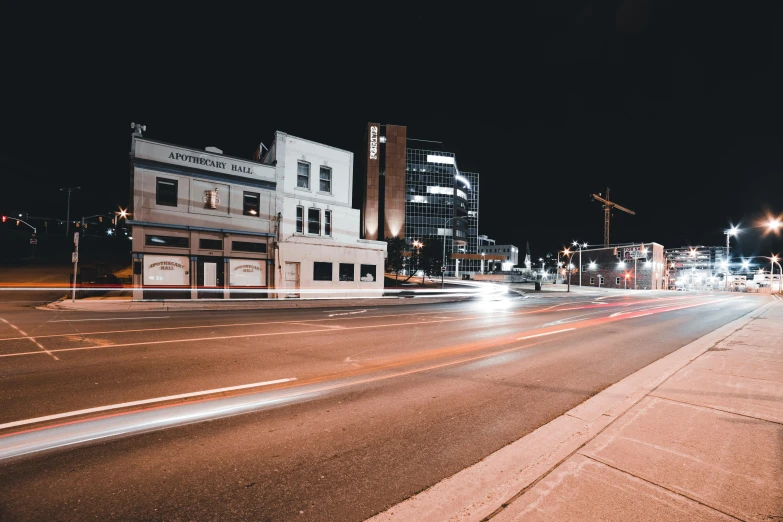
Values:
[(68, 212)]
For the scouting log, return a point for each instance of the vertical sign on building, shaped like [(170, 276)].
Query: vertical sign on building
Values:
[(373, 142), (371, 192)]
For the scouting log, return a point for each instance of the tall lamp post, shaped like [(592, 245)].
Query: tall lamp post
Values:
[(773, 262), (68, 212), (579, 249), (730, 232), (566, 254)]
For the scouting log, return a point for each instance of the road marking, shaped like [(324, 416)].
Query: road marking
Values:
[(305, 323), (354, 311), (108, 319), (141, 402), (350, 313), (543, 334), (39, 345)]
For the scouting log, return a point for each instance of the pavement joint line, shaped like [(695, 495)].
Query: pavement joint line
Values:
[(735, 375), (747, 318), (673, 491), (141, 402), (39, 345), (296, 332), (713, 408)]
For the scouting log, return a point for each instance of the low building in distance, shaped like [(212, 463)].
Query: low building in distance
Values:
[(637, 265)]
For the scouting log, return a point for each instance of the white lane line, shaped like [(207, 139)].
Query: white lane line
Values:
[(353, 311), (39, 345), (109, 319), (141, 402), (543, 334), (320, 325)]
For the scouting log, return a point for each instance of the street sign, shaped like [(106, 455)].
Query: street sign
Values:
[(74, 257), (33, 241), (75, 238), (443, 269)]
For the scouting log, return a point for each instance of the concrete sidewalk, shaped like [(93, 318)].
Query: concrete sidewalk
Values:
[(697, 435), (127, 305)]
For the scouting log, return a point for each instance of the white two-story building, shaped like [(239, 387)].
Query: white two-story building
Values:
[(318, 249), (206, 225)]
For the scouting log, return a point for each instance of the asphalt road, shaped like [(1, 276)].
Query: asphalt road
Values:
[(349, 411)]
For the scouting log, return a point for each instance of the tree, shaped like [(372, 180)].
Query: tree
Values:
[(432, 257), (395, 258)]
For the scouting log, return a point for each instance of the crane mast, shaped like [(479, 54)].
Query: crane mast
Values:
[(608, 206)]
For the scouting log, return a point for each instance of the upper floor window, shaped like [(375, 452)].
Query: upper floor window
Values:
[(300, 220), (326, 179), (166, 192), (327, 222), (251, 203), (314, 221), (303, 174)]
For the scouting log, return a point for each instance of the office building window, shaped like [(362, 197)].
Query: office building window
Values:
[(322, 271), (251, 203), (303, 174), (327, 222), (300, 220), (210, 244), (166, 192), (347, 271), (314, 221), (169, 241), (326, 179), (367, 273), (248, 246)]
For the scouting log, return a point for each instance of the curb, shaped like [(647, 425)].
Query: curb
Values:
[(480, 491), (164, 306)]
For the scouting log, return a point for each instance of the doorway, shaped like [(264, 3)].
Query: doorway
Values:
[(292, 278), (209, 277)]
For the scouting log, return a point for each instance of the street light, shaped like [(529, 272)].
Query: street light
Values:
[(68, 212), (567, 253), (733, 231), (443, 272), (774, 224), (774, 261)]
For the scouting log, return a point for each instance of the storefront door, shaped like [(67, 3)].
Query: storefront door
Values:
[(209, 277)]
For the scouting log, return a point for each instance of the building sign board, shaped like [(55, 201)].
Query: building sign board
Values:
[(373, 142), (201, 160), (247, 272), (166, 270)]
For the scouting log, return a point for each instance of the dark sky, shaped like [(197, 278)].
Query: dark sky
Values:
[(677, 106)]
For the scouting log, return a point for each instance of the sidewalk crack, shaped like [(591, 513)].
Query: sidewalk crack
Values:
[(599, 461), (714, 409)]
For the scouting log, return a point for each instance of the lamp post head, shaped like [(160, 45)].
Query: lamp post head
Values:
[(733, 231), (774, 224)]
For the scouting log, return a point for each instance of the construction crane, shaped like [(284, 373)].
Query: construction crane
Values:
[(608, 206)]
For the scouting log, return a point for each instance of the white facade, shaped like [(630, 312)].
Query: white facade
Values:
[(319, 252), (509, 252)]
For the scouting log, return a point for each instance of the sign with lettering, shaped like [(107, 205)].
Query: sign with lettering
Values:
[(201, 160), (373, 142), (247, 272), (166, 270)]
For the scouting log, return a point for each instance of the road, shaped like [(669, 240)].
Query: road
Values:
[(306, 414)]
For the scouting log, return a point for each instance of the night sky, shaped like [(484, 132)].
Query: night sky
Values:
[(676, 106)]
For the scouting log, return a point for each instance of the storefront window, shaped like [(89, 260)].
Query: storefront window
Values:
[(367, 274)]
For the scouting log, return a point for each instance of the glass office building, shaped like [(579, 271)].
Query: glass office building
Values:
[(441, 203)]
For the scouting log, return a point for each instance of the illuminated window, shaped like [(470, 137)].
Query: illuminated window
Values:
[(303, 174), (314, 221), (325, 179), (251, 203), (300, 220)]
